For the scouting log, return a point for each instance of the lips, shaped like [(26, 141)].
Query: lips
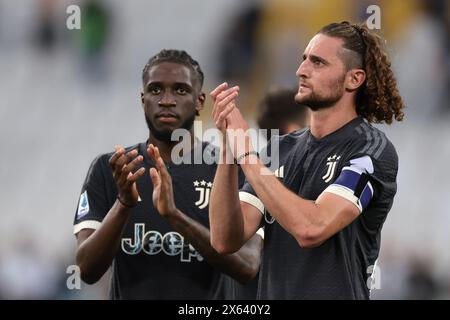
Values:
[(302, 88), (303, 85), (166, 115)]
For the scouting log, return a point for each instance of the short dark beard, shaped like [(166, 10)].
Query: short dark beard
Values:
[(166, 135), (316, 103)]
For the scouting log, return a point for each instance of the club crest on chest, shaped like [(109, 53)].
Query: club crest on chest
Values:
[(204, 189), (331, 165)]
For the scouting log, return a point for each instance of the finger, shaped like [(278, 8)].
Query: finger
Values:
[(219, 103), (218, 90), (120, 167), (224, 114), (159, 162), (151, 152), (132, 177), (116, 164), (164, 174), (130, 167), (131, 155), (124, 159), (154, 175), (214, 94), (220, 122), (118, 151), (227, 92), (225, 102)]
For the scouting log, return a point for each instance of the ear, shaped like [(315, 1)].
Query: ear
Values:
[(200, 103), (142, 99), (355, 79)]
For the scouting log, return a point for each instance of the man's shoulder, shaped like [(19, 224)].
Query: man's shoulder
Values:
[(292, 137), (372, 141)]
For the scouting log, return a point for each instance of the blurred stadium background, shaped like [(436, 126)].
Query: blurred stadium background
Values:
[(68, 95)]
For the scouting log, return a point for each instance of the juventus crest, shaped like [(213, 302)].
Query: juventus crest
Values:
[(205, 189), (331, 167)]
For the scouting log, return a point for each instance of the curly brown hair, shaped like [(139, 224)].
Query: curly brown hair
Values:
[(378, 99)]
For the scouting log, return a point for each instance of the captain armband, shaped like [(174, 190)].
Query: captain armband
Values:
[(353, 183)]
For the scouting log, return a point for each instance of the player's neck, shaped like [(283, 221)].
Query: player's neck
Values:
[(326, 121), (165, 147)]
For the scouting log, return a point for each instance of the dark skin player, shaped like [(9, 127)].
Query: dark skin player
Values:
[(171, 99)]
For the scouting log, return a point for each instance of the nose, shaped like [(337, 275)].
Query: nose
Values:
[(302, 71), (167, 99)]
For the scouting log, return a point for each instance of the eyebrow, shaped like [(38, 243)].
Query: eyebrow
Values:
[(157, 83), (314, 57)]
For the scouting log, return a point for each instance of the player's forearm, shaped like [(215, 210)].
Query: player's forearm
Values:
[(296, 215), (96, 253), (225, 214), (242, 265)]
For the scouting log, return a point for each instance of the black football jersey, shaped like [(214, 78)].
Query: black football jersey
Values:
[(356, 162), (154, 261)]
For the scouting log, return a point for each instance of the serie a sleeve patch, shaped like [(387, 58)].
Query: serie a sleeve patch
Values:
[(353, 183), (84, 210), (83, 205)]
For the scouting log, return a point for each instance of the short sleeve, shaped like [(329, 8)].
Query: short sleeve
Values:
[(93, 201), (368, 180), (248, 195)]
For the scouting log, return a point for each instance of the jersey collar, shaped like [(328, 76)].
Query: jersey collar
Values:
[(343, 132)]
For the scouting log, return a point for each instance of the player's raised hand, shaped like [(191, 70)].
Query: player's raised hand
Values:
[(123, 167), (234, 119), (224, 101), (162, 184)]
